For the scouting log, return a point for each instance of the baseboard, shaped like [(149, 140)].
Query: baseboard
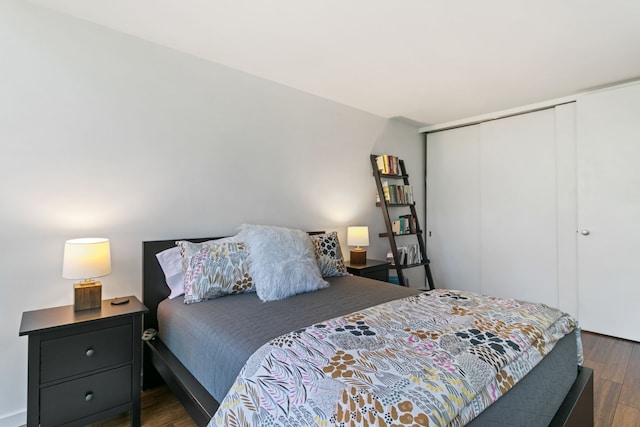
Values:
[(16, 419)]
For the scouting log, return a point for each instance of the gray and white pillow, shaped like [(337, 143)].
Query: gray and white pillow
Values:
[(187, 249), (216, 270), (282, 261), (175, 261)]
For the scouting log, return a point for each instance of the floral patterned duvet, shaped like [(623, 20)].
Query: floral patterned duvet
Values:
[(437, 358)]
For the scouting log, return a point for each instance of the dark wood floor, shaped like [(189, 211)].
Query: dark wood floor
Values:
[(159, 409), (616, 365)]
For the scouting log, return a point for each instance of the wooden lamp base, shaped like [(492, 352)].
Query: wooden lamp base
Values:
[(87, 296), (358, 256)]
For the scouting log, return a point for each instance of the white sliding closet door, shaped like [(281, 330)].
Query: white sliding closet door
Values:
[(501, 199), (519, 257), (453, 208), (608, 135)]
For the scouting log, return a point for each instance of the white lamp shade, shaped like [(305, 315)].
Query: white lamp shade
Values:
[(86, 258), (358, 236)]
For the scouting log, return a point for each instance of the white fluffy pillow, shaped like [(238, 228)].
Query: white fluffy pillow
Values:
[(282, 261)]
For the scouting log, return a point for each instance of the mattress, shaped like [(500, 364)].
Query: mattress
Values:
[(213, 340)]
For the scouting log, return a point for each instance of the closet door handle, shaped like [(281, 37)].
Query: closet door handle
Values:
[(584, 232)]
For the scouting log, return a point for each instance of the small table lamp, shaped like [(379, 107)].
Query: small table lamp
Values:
[(85, 259), (358, 236)]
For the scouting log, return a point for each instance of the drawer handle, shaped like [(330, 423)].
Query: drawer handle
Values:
[(88, 397), (89, 352)]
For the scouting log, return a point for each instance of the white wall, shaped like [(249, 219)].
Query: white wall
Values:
[(104, 134)]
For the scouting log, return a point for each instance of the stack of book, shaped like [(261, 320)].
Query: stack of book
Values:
[(388, 164), (405, 224), (397, 194), (408, 255)]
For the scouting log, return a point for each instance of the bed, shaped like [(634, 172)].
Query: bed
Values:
[(556, 389)]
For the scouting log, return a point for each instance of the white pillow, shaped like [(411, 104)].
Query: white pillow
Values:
[(282, 261), (173, 266)]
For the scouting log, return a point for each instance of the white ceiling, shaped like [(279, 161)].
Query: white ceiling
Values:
[(430, 61)]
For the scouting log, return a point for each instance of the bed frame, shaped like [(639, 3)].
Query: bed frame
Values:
[(160, 365)]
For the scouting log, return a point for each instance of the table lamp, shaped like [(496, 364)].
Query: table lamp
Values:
[(358, 236), (86, 259)]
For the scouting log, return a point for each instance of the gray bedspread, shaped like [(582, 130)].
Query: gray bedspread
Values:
[(213, 339)]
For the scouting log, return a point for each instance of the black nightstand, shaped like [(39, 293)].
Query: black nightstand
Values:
[(84, 366), (373, 269)]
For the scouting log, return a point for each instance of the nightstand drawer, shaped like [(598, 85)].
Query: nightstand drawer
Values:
[(76, 399), (373, 269), (382, 275), (75, 354)]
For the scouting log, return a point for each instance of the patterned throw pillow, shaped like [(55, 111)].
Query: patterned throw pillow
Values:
[(216, 270), (329, 254), (188, 249)]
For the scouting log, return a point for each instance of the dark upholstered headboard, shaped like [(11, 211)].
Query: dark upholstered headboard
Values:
[(154, 287)]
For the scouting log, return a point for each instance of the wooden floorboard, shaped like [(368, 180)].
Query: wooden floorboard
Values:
[(616, 379), (159, 409), (616, 365)]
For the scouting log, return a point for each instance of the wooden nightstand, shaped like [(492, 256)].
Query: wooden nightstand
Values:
[(373, 269), (83, 366)]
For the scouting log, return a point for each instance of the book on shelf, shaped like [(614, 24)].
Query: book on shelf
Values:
[(380, 164), (402, 255), (407, 255), (405, 224), (388, 164), (397, 194), (410, 224), (408, 191), (387, 192)]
